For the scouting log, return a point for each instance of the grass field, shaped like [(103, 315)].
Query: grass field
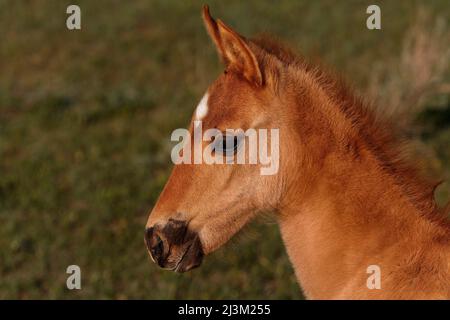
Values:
[(85, 123)]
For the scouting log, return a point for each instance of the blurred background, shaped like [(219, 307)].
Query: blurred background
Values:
[(86, 118)]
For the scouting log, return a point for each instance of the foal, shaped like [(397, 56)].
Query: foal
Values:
[(345, 201)]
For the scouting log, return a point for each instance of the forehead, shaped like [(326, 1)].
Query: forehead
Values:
[(229, 102)]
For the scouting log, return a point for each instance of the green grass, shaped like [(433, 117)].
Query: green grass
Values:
[(85, 121)]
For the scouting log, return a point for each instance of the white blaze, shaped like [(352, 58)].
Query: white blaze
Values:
[(202, 108)]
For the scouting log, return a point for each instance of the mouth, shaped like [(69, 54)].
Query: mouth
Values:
[(191, 258), (177, 267)]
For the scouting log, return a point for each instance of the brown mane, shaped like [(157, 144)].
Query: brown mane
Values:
[(376, 131)]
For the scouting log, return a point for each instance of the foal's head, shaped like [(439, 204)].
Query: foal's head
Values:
[(203, 205)]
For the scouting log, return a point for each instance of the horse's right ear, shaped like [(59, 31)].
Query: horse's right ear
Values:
[(233, 49)]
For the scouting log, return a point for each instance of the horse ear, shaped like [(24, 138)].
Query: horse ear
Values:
[(233, 49)]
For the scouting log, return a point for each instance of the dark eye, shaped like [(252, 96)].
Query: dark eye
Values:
[(227, 144)]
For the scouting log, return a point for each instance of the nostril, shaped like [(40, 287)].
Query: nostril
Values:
[(158, 248), (155, 246)]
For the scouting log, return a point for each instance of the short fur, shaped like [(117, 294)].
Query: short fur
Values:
[(344, 196)]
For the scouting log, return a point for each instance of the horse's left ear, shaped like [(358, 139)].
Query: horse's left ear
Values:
[(233, 49)]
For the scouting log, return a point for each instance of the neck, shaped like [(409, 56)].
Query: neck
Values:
[(335, 233), (345, 213)]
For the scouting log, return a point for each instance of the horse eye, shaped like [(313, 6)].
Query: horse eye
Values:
[(228, 144)]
